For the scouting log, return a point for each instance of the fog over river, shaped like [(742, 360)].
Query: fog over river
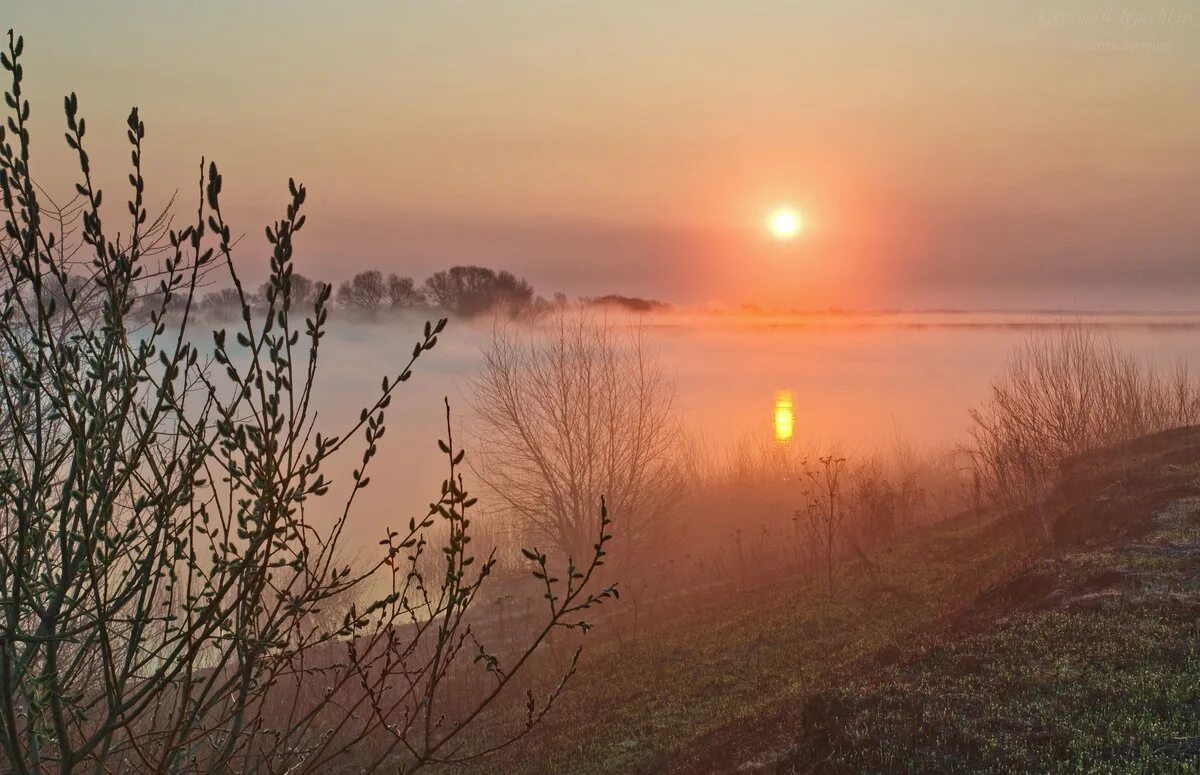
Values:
[(860, 381)]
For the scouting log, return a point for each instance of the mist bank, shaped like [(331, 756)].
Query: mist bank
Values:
[(862, 385)]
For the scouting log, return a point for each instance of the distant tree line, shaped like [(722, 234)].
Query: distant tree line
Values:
[(460, 291), (628, 303)]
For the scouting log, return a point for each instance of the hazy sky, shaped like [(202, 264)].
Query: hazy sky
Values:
[(944, 153)]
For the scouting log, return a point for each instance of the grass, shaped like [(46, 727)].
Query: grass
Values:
[(973, 654), (1042, 692), (739, 659), (1103, 680)]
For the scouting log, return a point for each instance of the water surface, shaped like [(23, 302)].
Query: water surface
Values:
[(858, 380)]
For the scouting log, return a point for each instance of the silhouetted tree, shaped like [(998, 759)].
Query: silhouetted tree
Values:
[(630, 303), (365, 292), (402, 292), (472, 290)]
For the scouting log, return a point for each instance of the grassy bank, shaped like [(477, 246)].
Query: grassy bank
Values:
[(1087, 660), (971, 651), (720, 677)]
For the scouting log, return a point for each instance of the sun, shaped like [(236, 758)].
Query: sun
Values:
[(784, 223)]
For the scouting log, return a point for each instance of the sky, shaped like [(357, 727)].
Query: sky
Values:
[(942, 153)]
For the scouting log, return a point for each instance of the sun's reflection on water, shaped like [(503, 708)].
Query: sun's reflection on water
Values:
[(785, 417)]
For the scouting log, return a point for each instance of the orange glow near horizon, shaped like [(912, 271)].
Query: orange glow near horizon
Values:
[(785, 418), (792, 175)]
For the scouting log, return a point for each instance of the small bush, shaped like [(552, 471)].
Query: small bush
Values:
[(1062, 394)]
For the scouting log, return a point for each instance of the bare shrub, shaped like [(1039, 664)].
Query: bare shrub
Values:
[(173, 595), (880, 506), (825, 512), (1064, 393), (774, 502), (570, 410)]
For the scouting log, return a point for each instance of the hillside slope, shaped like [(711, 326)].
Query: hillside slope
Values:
[(967, 649), (1086, 660)]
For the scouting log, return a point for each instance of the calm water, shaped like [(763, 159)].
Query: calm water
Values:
[(857, 380)]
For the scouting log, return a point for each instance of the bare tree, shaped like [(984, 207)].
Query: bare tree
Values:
[(403, 292), (169, 542), (473, 290), (365, 291), (566, 412)]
